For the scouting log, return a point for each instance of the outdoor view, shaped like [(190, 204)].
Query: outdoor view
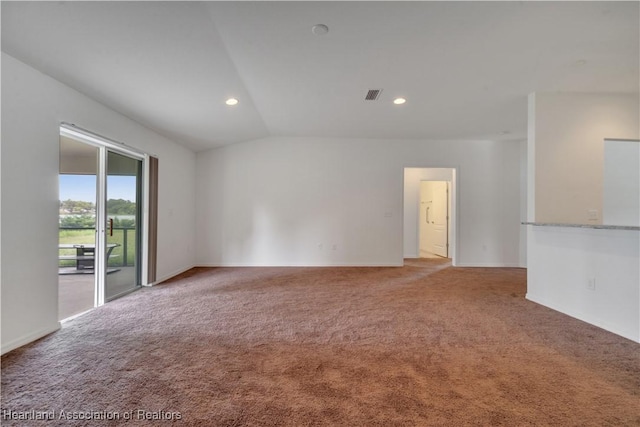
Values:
[(78, 260), (78, 217)]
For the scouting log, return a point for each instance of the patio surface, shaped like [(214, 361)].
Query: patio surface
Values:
[(76, 291)]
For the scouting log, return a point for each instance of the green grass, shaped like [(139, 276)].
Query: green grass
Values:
[(79, 237)]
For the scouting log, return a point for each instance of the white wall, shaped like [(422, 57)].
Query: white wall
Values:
[(412, 178), (33, 105), (524, 209), (510, 207), (566, 161), (288, 201), (592, 275), (621, 193), (566, 138)]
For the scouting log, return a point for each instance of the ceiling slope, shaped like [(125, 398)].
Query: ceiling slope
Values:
[(160, 63), (465, 68)]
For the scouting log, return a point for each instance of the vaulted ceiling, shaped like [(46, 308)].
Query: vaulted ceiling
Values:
[(465, 68)]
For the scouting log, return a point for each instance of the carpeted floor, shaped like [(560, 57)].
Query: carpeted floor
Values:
[(421, 345)]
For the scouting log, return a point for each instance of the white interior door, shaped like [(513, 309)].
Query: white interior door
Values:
[(426, 204), (434, 218)]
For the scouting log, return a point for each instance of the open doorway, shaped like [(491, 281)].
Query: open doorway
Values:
[(436, 239)]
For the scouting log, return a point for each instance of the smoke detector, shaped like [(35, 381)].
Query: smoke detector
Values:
[(319, 29)]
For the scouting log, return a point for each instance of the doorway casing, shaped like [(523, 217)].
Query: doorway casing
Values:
[(412, 178)]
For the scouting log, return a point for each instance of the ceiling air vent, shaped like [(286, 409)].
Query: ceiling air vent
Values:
[(373, 94)]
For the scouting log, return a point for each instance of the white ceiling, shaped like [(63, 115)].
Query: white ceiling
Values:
[(465, 67)]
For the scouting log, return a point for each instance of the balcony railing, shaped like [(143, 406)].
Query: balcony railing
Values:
[(123, 255)]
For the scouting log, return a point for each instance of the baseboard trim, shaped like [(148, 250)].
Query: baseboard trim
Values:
[(583, 318), (171, 275), (489, 265), (19, 342), (213, 265)]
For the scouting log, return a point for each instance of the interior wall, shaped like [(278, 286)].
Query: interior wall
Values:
[(33, 106), (510, 209), (591, 274), (412, 178), (524, 166), (621, 188), (567, 132), (322, 201)]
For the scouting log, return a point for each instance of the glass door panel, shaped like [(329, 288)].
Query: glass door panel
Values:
[(77, 227), (123, 218)]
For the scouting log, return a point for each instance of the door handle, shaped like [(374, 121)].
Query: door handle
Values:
[(427, 214), (110, 226)]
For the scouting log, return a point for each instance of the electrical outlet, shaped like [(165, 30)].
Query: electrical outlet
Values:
[(592, 214), (591, 284)]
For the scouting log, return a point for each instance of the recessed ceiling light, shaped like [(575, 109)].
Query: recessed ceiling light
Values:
[(231, 101), (399, 101), (319, 29)]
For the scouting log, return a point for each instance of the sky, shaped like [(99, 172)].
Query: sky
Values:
[(83, 187)]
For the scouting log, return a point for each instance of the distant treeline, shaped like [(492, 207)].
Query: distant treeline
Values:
[(77, 207), (79, 214), (121, 207), (114, 207)]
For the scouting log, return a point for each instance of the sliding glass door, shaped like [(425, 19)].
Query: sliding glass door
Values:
[(123, 203), (108, 251)]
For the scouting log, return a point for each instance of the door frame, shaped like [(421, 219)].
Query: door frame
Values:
[(105, 144), (411, 206)]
